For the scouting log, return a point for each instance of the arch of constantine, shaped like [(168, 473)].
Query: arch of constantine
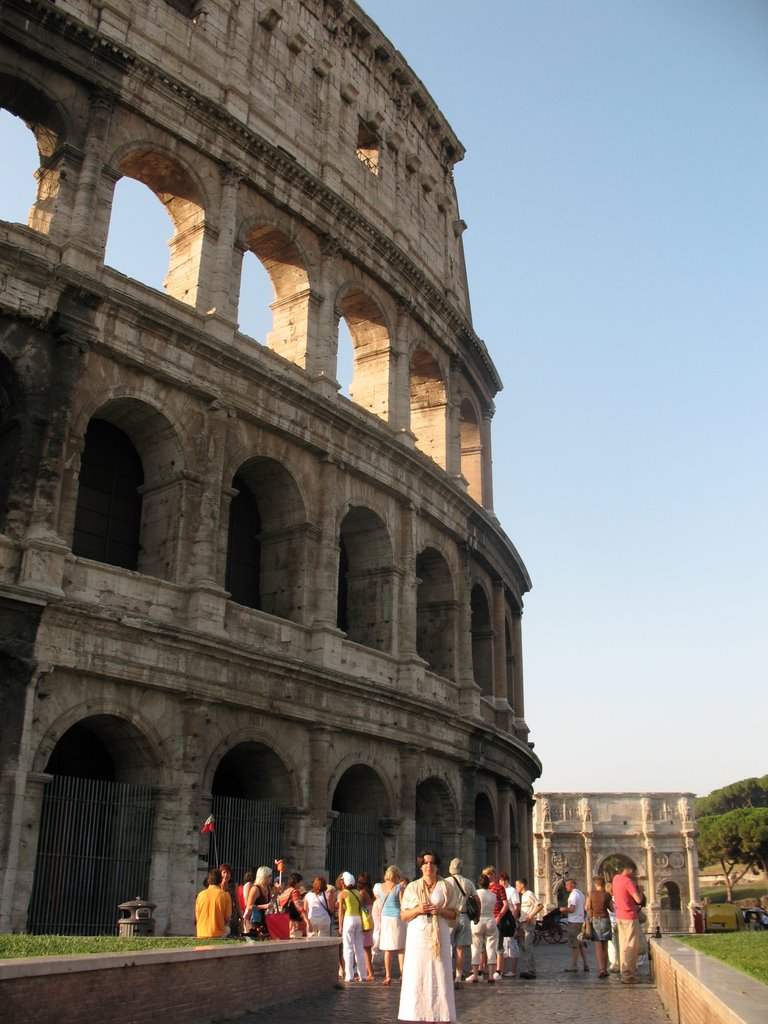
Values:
[(582, 835), (226, 586)]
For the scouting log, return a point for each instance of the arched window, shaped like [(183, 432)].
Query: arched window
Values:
[(266, 548), (174, 187), (482, 641), (257, 293), (17, 168), (139, 229), (436, 612), (108, 517), (243, 579), (366, 572), (428, 406), (471, 451), (368, 331), (286, 268)]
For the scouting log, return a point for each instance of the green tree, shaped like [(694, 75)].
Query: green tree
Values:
[(746, 793), (737, 840), (719, 842)]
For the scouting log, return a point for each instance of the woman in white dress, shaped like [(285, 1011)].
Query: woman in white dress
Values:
[(429, 907)]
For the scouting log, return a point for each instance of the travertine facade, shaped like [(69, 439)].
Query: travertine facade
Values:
[(575, 834), (220, 578)]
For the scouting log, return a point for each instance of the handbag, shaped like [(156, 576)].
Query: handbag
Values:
[(365, 917), (507, 925), (472, 910), (586, 929)]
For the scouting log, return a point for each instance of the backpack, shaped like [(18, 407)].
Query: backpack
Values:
[(293, 911), (472, 910)]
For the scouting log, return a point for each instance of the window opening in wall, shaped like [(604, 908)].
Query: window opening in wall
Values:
[(244, 547), (257, 294), (18, 187), (342, 605), (345, 359), (108, 516), (368, 149), (139, 230)]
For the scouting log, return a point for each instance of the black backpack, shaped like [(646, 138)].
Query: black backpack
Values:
[(293, 911)]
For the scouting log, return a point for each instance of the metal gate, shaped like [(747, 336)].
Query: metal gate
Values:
[(247, 834), (430, 837), (93, 853), (354, 845)]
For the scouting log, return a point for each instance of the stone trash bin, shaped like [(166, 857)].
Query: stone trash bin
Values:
[(136, 919)]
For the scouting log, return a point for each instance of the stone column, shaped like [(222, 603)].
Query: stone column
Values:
[(467, 819), (222, 301), (320, 740), (400, 395), (88, 226), (410, 763), (453, 420), (487, 459), (692, 868), (207, 597), (503, 791), (42, 565), (323, 323), (652, 900), (518, 701), (499, 646), (588, 861), (326, 636)]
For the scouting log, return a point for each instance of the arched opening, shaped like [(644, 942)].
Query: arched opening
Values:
[(428, 406), (27, 111), (482, 640), (257, 293), (355, 839), (486, 834), (251, 789), (669, 896), (368, 331), (95, 838), (286, 269), (434, 816), (266, 550), (436, 612), (365, 593), (177, 192), (18, 169), (108, 516), (471, 450), (139, 229), (613, 864), (345, 359), (127, 436)]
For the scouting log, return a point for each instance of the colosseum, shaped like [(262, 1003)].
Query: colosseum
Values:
[(229, 585)]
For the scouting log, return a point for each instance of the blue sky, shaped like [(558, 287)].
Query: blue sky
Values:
[(616, 192)]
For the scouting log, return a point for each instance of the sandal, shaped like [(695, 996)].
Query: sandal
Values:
[(387, 981)]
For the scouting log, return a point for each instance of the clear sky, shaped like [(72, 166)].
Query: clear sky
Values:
[(616, 191)]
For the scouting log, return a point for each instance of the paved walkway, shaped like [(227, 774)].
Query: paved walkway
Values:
[(553, 998)]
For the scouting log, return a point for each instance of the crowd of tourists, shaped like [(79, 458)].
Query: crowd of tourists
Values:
[(443, 932)]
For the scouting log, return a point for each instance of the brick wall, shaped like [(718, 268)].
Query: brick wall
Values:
[(171, 986)]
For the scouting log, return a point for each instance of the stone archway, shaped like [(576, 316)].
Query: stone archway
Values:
[(355, 837), (96, 823)]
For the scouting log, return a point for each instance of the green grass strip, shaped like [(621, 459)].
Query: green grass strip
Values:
[(15, 946), (745, 951)]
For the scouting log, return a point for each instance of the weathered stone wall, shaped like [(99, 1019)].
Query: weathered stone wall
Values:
[(251, 125)]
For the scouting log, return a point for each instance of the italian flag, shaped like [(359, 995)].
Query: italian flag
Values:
[(208, 826)]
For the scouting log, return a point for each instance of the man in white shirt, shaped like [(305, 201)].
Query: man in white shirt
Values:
[(575, 912), (510, 948), (529, 908)]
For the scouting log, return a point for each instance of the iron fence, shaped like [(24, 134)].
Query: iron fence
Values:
[(93, 853), (247, 833), (354, 844)]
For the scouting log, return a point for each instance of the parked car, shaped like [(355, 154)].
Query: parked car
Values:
[(755, 918)]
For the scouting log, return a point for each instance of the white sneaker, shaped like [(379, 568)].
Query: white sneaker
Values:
[(471, 979), (508, 974), (497, 976)]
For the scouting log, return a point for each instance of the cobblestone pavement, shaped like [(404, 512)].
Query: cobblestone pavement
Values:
[(553, 997)]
